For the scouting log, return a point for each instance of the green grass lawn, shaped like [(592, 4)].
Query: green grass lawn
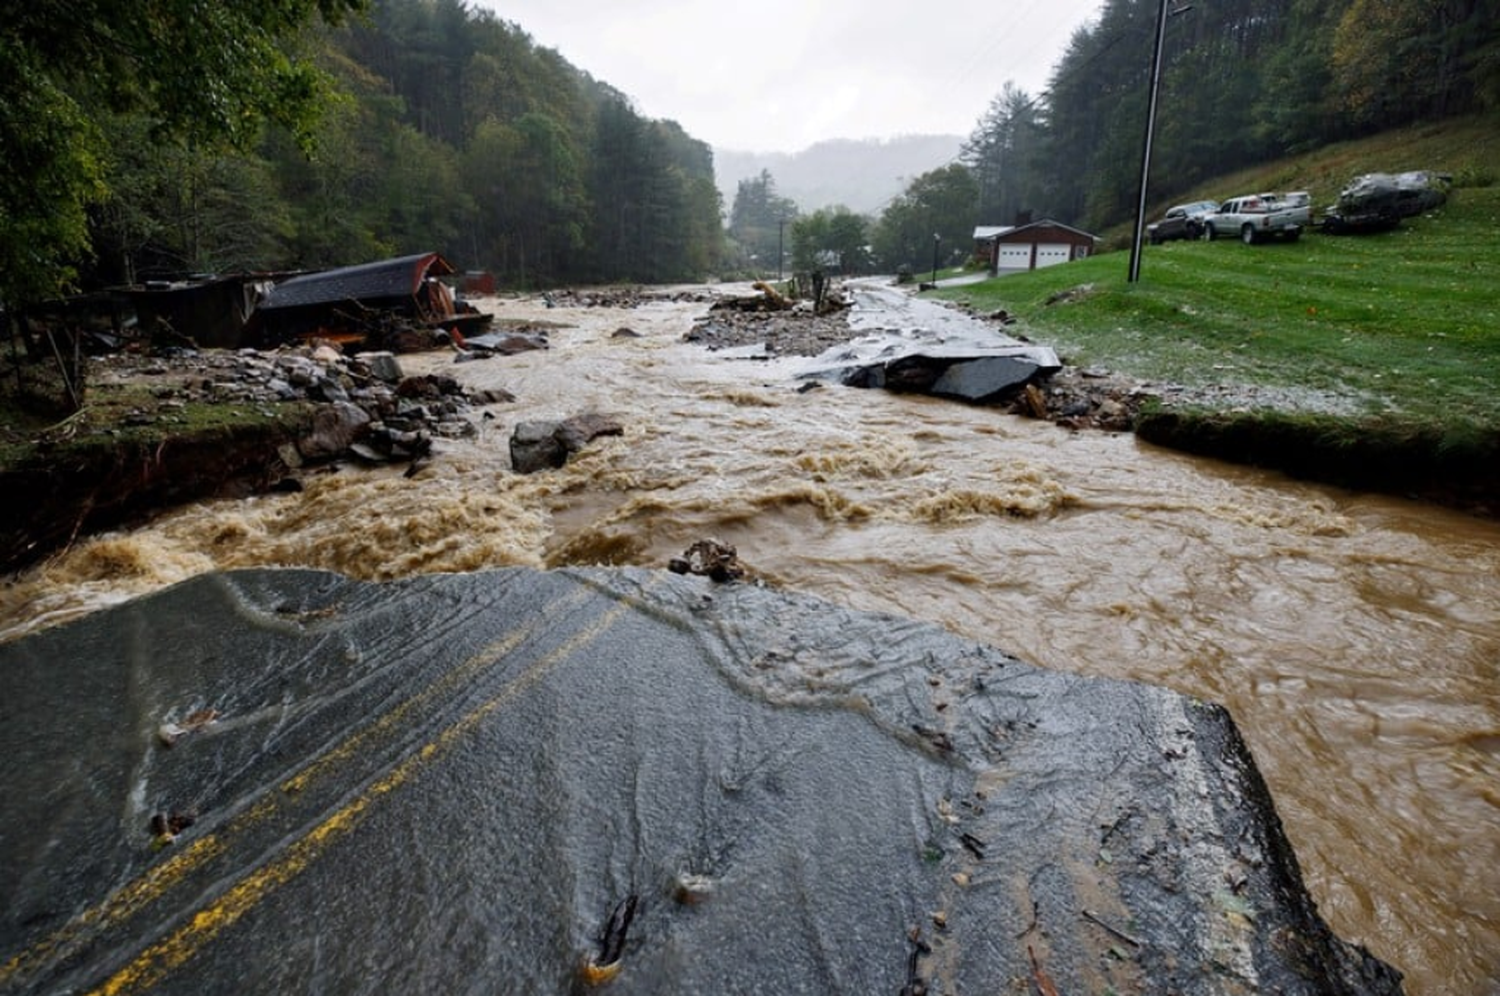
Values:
[(1390, 342), (1405, 323)]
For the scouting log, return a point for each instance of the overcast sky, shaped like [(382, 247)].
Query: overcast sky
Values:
[(779, 75)]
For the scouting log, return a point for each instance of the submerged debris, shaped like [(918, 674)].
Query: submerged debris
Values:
[(709, 558), (169, 732)]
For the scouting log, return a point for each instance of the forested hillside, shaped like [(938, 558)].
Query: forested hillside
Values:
[(466, 137), (179, 137), (1244, 81), (441, 127)]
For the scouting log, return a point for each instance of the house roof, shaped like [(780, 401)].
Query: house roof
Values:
[(1009, 230), (982, 232), (385, 278)]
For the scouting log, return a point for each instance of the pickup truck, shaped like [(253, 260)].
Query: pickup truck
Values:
[(1255, 217), (1182, 221)]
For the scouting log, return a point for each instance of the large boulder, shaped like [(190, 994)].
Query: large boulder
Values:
[(547, 445), (522, 781), (335, 427)]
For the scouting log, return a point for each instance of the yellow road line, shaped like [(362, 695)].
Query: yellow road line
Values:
[(159, 879), (160, 959)]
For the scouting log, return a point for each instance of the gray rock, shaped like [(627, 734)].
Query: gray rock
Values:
[(538, 446), (283, 390), (383, 366), (535, 446), (304, 373), (329, 389), (492, 396), (580, 430), (334, 427)]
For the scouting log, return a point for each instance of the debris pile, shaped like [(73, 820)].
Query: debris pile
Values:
[(787, 333), (709, 558), (619, 297), (366, 406)]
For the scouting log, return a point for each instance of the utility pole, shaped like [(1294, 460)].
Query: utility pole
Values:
[(937, 240), (1140, 208), (780, 238)]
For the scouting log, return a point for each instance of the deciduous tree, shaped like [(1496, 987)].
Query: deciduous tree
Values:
[(209, 73)]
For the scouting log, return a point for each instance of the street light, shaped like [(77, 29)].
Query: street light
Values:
[(936, 240)]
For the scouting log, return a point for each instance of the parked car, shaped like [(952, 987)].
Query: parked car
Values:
[(1182, 221), (1255, 217), (1378, 201)]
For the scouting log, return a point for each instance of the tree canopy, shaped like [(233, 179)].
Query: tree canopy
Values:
[(758, 220), (186, 137), (179, 136), (1244, 81), (207, 74)]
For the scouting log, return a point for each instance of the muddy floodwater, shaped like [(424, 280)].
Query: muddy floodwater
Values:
[(1355, 639)]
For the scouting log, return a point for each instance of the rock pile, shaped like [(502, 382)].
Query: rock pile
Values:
[(621, 297), (784, 333), (367, 406)]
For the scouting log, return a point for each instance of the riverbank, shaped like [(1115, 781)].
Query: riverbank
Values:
[(162, 430)]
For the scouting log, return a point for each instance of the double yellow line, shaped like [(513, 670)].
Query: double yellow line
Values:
[(159, 960)]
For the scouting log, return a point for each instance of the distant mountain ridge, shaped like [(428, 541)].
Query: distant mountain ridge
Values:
[(861, 174)]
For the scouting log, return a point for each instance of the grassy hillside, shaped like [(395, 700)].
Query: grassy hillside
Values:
[(1383, 350), (1469, 148)]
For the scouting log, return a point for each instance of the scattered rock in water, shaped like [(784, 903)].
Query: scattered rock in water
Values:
[(505, 344), (536, 446)]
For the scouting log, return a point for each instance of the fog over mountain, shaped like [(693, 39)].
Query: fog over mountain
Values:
[(861, 174)]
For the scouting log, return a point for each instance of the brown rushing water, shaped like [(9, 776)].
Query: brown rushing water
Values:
[(1355, 639)]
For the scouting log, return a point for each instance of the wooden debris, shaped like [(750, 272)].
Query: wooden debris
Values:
[(1034, 402), (1094, 918), (1044, 983)]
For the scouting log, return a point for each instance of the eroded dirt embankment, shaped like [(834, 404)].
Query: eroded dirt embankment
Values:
[(62, 493)]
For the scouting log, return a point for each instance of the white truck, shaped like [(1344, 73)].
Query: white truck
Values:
[(1255, 217)]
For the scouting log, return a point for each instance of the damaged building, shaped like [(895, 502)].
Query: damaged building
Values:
[(373, 301)]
